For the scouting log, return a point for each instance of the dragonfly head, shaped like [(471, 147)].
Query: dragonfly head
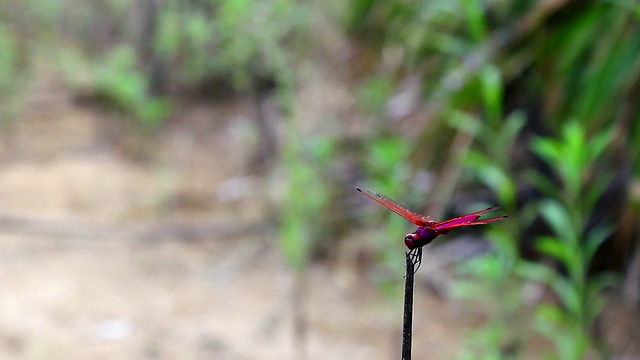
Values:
[(411, 240)]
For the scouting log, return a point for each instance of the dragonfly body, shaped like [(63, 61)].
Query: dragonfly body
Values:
[(428, 229)]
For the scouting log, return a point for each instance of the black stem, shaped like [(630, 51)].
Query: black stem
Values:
[(407, 321)]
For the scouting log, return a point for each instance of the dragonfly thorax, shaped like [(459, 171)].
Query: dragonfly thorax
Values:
[(421, 237)]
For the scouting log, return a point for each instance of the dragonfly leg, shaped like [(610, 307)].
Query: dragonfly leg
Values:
[(416, 258)]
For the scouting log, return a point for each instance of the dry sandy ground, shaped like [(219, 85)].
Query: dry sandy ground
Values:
[(104, 256)]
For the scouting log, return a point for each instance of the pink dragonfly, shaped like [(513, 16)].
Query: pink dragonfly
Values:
[(428, 229)]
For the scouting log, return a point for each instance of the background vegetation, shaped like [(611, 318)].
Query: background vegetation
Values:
[(532, 105)]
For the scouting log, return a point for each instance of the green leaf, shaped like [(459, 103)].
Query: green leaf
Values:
[(464, 122), (593, 193), (568, 294), (557, 217), (599, 143), (553, 247), (595, 297), (512, 126), (475, 19), (494, 177), (566, 253), (574, 157), (548, 150), (492, 93), (594, 239), (477, 160), (534, 271), (500, 182)]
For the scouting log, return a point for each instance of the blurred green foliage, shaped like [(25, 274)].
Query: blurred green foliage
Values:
[(489, 163), (118, 81), (222, 38), (567, 208), (505, 74), (306, 196), (579, 62), (140, 54)]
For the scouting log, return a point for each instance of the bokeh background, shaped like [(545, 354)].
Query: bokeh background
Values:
[(177, 178)]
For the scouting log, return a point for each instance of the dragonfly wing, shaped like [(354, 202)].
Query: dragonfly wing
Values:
[(464, 219), (469, 223), (417, 219)]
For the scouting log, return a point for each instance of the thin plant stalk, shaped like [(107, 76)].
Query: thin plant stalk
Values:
[(407, 321)]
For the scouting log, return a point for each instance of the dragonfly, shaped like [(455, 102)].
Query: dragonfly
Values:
[(429, 229)]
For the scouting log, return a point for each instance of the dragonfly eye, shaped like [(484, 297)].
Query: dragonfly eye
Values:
[(410, 241)]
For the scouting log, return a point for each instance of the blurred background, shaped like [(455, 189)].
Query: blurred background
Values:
[(177, 178)]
